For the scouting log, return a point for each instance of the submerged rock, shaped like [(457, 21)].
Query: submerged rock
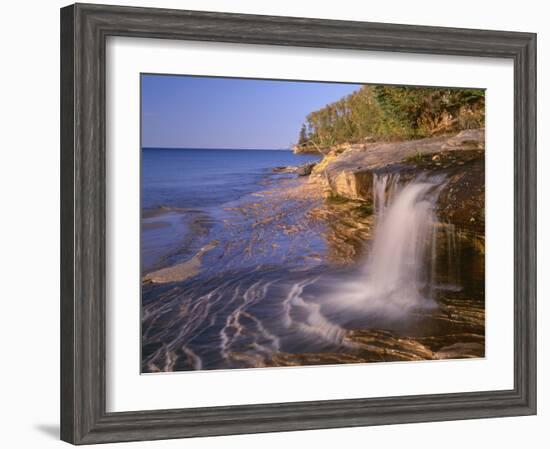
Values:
[(181, 271), (463, 337), (382, 346)]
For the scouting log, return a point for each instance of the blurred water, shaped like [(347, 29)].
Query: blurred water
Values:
[(397, 276)]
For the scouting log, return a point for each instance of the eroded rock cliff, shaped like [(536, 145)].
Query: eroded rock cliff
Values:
[(348, 172)]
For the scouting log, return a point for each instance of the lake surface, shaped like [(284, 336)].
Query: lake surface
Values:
[(181, 186)]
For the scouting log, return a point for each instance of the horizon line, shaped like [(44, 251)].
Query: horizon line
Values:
[(148, 147)]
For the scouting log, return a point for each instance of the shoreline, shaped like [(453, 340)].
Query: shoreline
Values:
[(297, 225)]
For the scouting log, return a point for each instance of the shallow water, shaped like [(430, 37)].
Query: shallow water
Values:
[(184, 192)]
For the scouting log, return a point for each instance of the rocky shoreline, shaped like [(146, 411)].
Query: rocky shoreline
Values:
[(346, 173), (465, 338), (345, 178), (320, 218), (340, 186)]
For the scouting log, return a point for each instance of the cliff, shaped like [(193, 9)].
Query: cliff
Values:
[(348, 171)]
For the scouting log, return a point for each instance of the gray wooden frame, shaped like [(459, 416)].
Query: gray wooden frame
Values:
[(84, 29)]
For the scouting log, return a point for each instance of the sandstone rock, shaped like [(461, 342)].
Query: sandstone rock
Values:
[(300, 170), (305, 169), (181, 271), (460, 158), (308, 149)]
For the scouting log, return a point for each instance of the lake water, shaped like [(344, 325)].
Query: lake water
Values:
[(181, 186)]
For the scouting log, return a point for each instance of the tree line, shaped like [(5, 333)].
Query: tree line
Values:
[(393, 113)]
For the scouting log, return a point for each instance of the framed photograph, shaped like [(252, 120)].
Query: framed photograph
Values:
[(273, 223)]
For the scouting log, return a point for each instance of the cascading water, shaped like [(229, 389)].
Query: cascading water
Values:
[(397, 265), (384, 189), (399, 273)]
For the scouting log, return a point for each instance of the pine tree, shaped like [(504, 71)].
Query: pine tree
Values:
[(303, 136)]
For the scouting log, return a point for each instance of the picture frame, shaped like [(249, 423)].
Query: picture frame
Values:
[(84, 29)]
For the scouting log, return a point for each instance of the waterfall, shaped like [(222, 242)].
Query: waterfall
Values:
[(397, 269), (384, 189), (399, 273), (453, 256)]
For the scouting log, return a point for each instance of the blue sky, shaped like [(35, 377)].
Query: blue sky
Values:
[(205, 112)]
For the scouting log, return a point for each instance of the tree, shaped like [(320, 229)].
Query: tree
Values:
[(303, 135), (394, 112)]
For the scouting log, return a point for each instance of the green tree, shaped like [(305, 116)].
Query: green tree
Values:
[(394, 112), (303, 135)]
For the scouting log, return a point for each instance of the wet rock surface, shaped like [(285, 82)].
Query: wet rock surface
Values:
[(464, 338)]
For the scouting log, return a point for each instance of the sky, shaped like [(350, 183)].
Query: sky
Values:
[(207, 112)]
